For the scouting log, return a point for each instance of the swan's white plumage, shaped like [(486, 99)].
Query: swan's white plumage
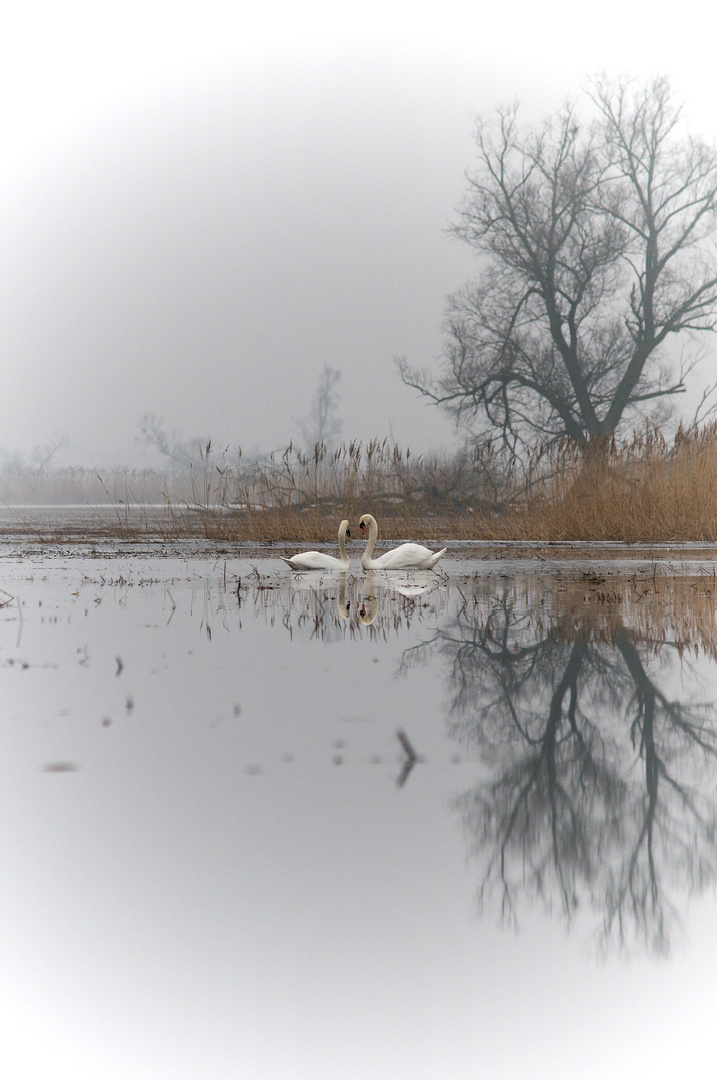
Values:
[(403, 557), (319, 560)]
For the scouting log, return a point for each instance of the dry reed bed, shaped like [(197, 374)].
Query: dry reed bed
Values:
[(642, 490), (645, 489)]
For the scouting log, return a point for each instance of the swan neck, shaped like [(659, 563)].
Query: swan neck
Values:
[(372, 538), (342, 541)]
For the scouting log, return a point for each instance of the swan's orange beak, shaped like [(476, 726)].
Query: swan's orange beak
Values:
[(363, 527)]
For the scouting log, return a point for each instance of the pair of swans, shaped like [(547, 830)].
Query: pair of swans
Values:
[(403, 557)]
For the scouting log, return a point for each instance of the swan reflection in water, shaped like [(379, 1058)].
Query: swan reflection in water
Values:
[(407, 585), (369, 607), (315, 600), (599, 793), (328, 603)]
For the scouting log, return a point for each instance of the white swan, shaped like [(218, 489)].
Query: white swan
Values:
[(404, 557), (319, 560)]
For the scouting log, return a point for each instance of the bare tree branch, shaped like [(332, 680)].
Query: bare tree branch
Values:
[(597, 250)]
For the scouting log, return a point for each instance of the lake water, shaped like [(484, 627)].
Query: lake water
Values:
[(266, 825)]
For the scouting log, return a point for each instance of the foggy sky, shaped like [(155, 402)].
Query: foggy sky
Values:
[(224, 206)]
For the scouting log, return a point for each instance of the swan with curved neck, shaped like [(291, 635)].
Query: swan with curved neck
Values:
[(403, 557), (319, 560)]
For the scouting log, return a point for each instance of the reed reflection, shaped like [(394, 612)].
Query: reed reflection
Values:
[(600, 744)]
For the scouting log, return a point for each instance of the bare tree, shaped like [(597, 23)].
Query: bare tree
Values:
[(181, 453), (322, 425), (598, 251), (43, 454)]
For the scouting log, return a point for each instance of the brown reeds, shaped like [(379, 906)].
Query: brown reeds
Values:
[(644, 489)]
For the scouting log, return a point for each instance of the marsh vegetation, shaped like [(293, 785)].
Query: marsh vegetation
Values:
[(648, 488)]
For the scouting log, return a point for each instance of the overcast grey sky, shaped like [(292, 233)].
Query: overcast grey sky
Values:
[(203, 204)]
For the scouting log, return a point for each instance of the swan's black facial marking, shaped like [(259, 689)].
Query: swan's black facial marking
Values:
[(363, 527), (348, 532)]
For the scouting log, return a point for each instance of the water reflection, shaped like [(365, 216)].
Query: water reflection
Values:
[(596, 731), (600, 786), (242, 797), (396, 585), (584, 704), (332, 606)]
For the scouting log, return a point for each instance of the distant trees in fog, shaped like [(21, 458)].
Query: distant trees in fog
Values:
[(322, 423), (41, 457), (598, 251), (179, 452)]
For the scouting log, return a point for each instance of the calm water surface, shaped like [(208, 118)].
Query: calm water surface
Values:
[(264, 825)]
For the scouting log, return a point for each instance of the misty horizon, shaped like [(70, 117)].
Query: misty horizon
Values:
[(201, 242)]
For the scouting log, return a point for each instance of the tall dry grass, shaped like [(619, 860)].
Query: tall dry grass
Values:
[(646, 488), (303, 496)]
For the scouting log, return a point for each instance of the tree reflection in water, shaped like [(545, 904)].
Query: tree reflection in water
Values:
[(601, 785)]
